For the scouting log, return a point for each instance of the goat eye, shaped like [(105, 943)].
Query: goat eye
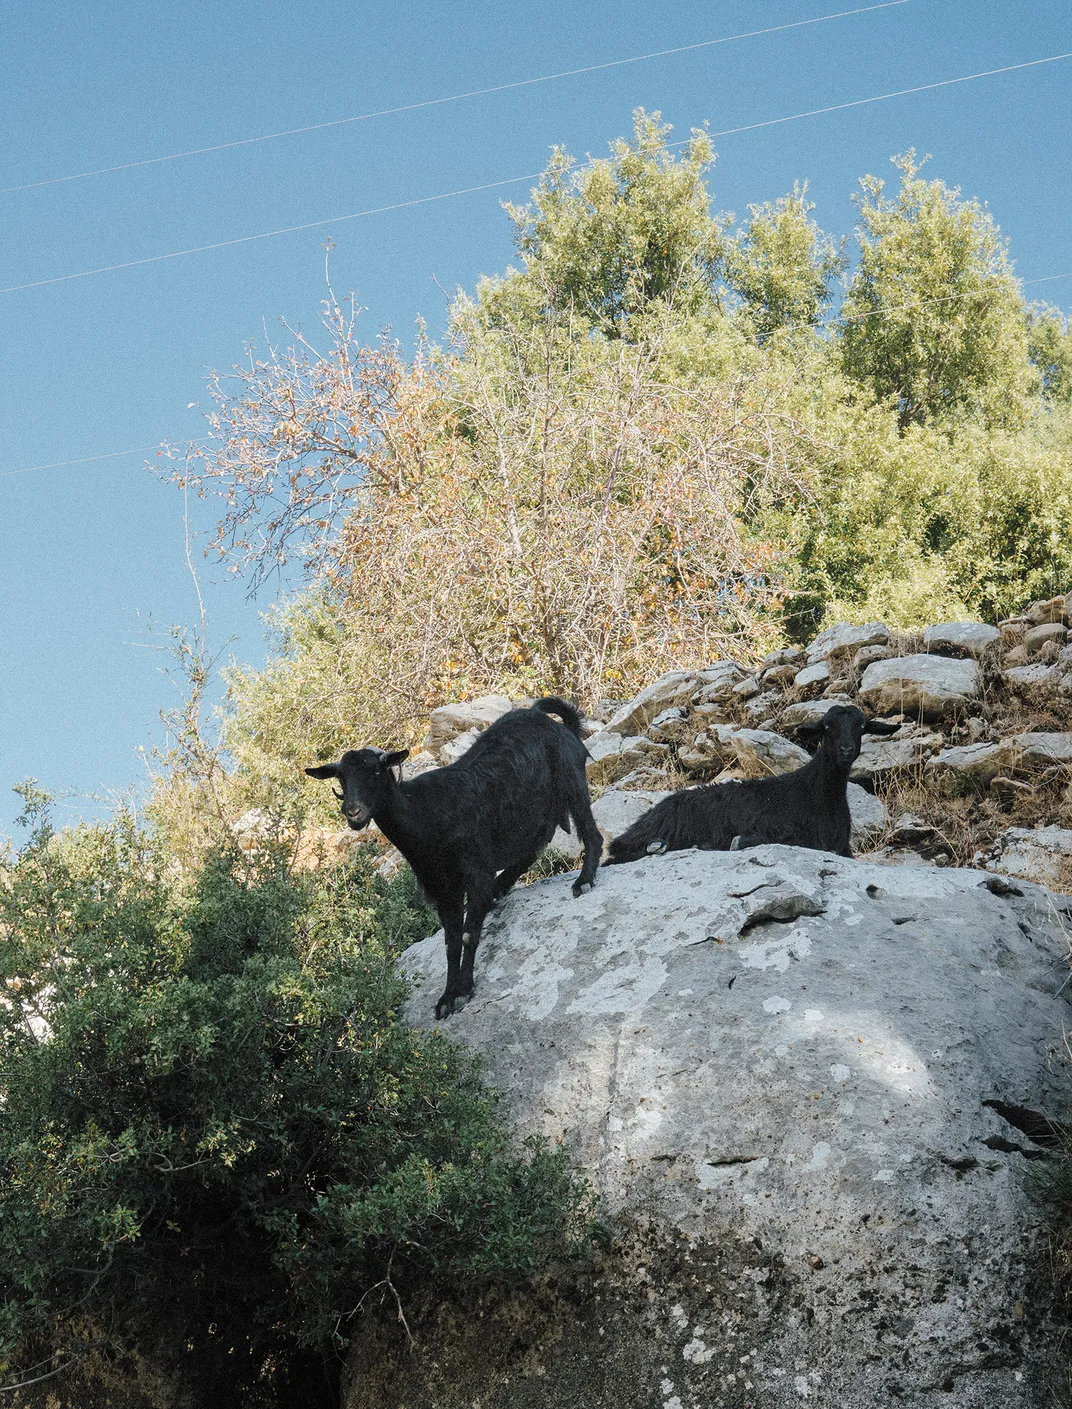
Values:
[(337, 793)]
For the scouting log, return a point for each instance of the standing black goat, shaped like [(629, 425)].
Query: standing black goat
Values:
[(808, 807), (471, 829)]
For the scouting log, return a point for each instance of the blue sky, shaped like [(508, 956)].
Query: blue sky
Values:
[(89, 553)]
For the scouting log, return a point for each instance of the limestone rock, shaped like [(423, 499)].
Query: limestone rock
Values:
[(450, 720), (673, 688), (809, 712), (821, 1075), (972, 638), (1040, 854), (758, 751), (1043, 613), (611, 756), (454, 748), (928, 687), (882, 758), (866, 654), (813, 677), (846, 639), (1039, 636), (672, 726), (717, 682), (1022, 679), (958, 770), (745, 689), (783, 674), (868, 814), (1042, 749)]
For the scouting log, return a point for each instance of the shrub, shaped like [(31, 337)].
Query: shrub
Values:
[(218, 1136)]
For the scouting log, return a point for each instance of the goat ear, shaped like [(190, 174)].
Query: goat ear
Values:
[(811, 729), (327, 770), (881, 726), (392, 760)]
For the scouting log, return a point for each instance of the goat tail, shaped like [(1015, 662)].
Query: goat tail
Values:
[(570, 715)]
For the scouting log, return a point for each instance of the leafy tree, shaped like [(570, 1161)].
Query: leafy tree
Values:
[(1049, 338), (608, 240), (933, 322), (781, 264), (219, 1138)]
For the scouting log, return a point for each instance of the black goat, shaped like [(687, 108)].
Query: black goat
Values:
[(471, 829), (808, 807)]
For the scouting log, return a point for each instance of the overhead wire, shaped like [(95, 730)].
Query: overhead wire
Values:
[(452, 98), (852, 317), (510, 181)]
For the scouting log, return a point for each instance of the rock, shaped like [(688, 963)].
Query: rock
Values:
[(759, 752), (868, 814), (813, 677), (809, 712), (761, 707), (454, 748), (718, 681), (846, 639), (959, 770), (745, 689), (866, 654), (673, 688), (703, 752), (1040, 750), (881, 759), (824, 1082), (1043, 613), (1040, 854), (927, 687), (971, 638), (1016, 657), (1024, 678), (450, 720), (612, 756), (1010, 789), (788, 655), (779, 675), (673, 726), (418, 763), (614, 812), (1040, 636)]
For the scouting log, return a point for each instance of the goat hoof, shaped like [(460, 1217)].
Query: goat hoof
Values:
[(579, 888)]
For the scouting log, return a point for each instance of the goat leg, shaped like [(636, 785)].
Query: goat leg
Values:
[(451, 915), (479, 899), (591, 839)]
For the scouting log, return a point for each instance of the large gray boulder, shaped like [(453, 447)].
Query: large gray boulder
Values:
[(825, 1080), (450, 720), (925, 687)]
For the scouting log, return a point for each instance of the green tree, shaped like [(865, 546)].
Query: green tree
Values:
[(781, 264), (1049, 339), (607, 240), (933, 322)]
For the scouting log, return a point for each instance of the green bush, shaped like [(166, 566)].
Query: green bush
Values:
[(218, 1136)]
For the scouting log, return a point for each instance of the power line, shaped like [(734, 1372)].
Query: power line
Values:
[(453, 98), (508, 181), (85, 460), (871, 313)]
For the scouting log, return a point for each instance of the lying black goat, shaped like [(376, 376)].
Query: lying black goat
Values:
[(808, 807), (471, 829)]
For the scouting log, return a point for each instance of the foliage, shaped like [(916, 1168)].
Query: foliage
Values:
[(219, 1138), (1049, 340), (781, 264), (951, 333), (607, 241)]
